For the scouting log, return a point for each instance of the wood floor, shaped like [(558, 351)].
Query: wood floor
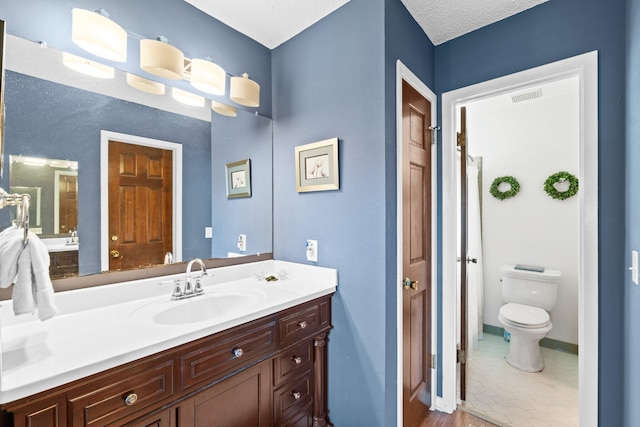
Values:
[(458, 419)]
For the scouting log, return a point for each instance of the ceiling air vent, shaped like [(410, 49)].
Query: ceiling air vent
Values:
[(526, 96)]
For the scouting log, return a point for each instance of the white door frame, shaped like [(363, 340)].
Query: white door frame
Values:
[(403, 73), (585, 67), (105, 137)]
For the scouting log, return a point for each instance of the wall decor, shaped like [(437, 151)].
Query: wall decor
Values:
[(317, 166), (514, 187), (239, 179), (561, 178)]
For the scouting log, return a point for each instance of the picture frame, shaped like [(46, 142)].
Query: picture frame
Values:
[(239, 179), (317, 166)]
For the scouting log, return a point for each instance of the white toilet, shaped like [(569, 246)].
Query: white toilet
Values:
[(529, 296)]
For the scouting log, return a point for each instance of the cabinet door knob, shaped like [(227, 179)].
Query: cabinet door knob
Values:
[(238, 352), (302, 324), (297, 360), (131, 399), (296, 395)]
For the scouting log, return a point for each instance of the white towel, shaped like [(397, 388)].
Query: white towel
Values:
[(29, 272)]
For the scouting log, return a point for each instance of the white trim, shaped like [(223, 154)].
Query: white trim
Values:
[(403, 73), (56, 199), (176, 148), (585, 67)]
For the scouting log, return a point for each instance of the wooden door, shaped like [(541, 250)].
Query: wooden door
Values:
[(140, 205), (462, 350), (416, 249), (68, 203)]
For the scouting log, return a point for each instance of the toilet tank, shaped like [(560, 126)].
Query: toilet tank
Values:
[(537, 289)]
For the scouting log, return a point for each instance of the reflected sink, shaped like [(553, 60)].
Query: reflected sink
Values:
[(213, 305)]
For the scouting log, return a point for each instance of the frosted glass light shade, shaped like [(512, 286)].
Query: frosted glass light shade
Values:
[(145, 85), (208, 77), (161, 59), (245, 91), (224, 109), (86, 66), (187, 98), (98, 35)]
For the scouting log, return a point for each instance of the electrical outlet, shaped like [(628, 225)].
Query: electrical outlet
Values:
[(634, 266), (312, 250), (242, 242), (208, 232)]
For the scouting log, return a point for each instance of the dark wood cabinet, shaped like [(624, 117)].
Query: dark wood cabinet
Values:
[(63, 264), (268, 372)]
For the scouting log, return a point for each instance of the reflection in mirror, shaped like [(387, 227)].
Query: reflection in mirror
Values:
[(53, 187), (54, 112)]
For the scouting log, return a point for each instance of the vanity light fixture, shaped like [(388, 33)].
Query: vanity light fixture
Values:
[(159, 58), (145, 85), (208, 76), (224, 109), (86, 66), (99, 35), (187, 98), (245, 91)]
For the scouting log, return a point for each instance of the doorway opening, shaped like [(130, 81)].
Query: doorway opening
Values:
[(584, 69), (175, 151)]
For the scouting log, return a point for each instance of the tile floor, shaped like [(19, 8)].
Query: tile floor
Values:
[(509, 397)]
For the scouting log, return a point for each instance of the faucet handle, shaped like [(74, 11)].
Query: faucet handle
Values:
[(177, 289), (198, 287)]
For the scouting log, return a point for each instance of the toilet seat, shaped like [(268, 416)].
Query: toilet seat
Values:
[(524, 316)]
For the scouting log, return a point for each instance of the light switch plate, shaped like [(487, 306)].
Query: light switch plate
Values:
[(634, 266), (208, 232)]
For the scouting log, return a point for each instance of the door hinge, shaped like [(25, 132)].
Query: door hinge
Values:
[(461, 356), (434, 360)]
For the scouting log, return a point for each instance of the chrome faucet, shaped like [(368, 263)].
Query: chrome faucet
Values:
[(189, 291)]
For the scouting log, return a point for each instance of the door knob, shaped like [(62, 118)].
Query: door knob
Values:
[(408, 283), (115, 254), (472, 260)]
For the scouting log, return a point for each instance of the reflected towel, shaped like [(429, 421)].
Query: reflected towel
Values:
[(28, 269)]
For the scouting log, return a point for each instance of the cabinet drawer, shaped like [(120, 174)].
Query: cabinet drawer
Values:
[(303, 418), (123, 393), (225, 352), (291, 398), (304, 321), (292, 363)]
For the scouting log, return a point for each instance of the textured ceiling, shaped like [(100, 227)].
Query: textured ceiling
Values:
[(272, 22), (444, 20)]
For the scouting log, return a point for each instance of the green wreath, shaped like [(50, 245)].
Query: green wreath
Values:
[(514, 187), (561, 176)]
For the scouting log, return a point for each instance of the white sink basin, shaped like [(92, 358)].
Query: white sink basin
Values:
[(214, 305)]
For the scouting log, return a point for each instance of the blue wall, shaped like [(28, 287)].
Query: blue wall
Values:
[(546, 33), (329, 82), (632, 223), (65, 123), (233, 139)]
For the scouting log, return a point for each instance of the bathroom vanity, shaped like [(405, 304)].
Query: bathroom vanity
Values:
[(261, 365)]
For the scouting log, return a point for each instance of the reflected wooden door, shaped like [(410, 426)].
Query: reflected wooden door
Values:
[(140, 205), (416, 248), (68, 203), (464, 259)]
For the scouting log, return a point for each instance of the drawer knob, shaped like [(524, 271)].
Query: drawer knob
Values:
[(296, 395), (131, 399), (302, 324), (238, 352), (297, 360)]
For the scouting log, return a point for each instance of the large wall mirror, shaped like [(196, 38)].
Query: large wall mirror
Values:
[(55, 113)]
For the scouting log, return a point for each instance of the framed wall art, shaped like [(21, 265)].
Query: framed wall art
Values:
[(317, 166), (239, 179)]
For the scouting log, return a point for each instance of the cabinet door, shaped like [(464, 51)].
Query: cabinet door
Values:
[(242, 400), (162, 419), (45, 413)]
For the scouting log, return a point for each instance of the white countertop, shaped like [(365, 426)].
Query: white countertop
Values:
[(107, 326)]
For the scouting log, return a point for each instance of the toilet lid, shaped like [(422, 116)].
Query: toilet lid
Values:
[(524, 315)]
